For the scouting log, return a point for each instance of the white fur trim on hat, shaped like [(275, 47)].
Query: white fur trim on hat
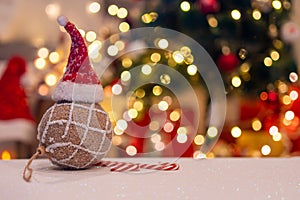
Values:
[(70, 91)]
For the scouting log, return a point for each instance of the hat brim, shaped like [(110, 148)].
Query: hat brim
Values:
[(70, 91)]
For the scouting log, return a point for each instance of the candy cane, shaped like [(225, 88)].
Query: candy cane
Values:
[(118, 166), (124, 166)]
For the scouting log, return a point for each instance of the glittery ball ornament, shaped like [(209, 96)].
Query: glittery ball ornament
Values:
[(76, 132)]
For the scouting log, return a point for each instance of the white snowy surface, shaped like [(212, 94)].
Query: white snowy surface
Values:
[(219, 178)]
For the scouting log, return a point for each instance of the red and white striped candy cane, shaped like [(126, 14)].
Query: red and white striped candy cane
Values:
[(119, 166), (161, 166), (124, 166)]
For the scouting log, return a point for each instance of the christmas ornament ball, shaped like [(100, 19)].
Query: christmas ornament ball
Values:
[(75, 135), (227, 62)]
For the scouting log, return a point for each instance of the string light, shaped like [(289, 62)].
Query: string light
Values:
[(54, 57), (268, 61), (52, 10), (90, 36), (294, 95), (212, 21), (157, 90), (146, 69), (149, 17), (286, 100), (256, 125), (131, 150), (199, 140), (293, 77), (235, 14), (182, 130), (278, 44), (289, 115), (159, 146), (140, 93), (40, 63), (116, 89), (112, 50), (122, 13), (256, 14), (163, 105), (122, 124), (277, 137), (245, 67), (174, 115), (124, 27), (185, 6), (263, 96), (178, 57), (163, 43), (50, 79), (274, 55), (132, 113), (165, 79), (118, 131), (236, 132), (43, 90), (138, 105), (181, 138), (126, 62), (168, 127), (212, 131), (276, 4), (236, 81), (43, 52), (155, 138), (94, 7), (154, 125), (266, 150), (112, 10), (125, 76), (273, 130), (117, 140), (192, 70), (155, 57), (242, 53), (5, 155)]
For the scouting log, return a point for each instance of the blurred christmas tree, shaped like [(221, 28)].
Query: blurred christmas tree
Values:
[(250, 41)]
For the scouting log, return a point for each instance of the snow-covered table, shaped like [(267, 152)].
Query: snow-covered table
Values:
[(220, 178)]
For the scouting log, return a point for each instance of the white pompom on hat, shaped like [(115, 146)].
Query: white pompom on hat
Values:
[(80, 82)]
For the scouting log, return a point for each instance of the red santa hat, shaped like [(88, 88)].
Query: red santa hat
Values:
[(79, 83), (13, 103)]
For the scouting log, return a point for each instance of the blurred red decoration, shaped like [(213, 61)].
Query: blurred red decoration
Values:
[(209, 6), (13, 103), (227, 62)]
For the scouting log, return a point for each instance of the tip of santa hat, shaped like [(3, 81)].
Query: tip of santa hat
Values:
[(62, 20)]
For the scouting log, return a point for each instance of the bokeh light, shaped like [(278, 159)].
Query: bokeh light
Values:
[(185, 6), (131, 150), (54, 57), (94, 7), (235, 14), (112, 10), (236, 132), (40, 63), (266, 150), (163, 43), (146, 69)]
